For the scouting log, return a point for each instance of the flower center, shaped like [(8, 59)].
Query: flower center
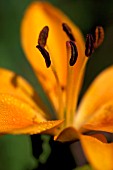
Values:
[(68, 97)]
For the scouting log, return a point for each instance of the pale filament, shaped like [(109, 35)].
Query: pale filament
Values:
[(60, 94), (73, 87)]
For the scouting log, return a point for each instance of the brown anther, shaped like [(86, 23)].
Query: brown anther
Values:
[(68, 31), (99, 36), (45, 54), (74, 53), (42, 39), (89, 45)]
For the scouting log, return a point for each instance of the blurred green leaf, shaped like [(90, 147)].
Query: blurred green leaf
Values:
[(85, 167), (16, 153), (46, 149)]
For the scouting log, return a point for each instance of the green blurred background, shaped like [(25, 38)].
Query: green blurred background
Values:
[(16, 152)]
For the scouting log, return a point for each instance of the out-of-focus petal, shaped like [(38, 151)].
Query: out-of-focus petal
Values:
[(16, 116), (98, 94), (100, 137), (98, 153), (17, 86), (69, 134), (45, 127), (102, 119), (16, 113), (37, 15)]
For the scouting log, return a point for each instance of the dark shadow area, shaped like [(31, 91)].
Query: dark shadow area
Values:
[(60, 157)]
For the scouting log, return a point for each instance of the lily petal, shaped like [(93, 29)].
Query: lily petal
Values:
[(98, 94), (45, 127), (100, 137), (36, 17), (102, 119), (16, 113), (98, 153), (69, 134), (16, 116), (17, 86)]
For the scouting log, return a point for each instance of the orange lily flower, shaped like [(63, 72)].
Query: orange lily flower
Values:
[(59, 61)]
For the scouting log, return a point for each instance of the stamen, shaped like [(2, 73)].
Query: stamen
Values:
[(45, 54), (99, 36), (89, 45), (71, 80), (68, 31), (43, 36), (74, 53), (60, 90)]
